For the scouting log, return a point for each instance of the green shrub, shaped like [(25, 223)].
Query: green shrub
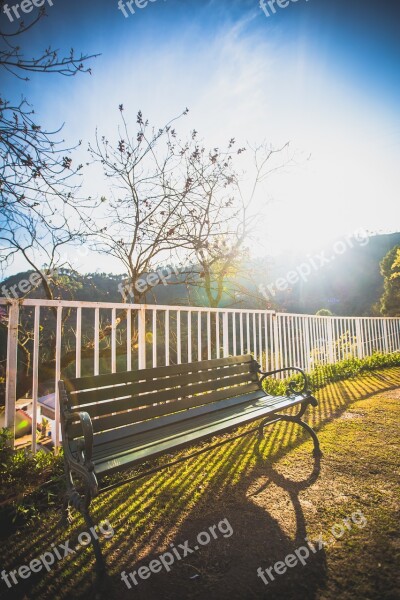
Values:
[(323, 374), (5, 444), (22, 478)]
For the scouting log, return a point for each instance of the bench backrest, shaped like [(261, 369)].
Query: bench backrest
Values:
[(134, 396)]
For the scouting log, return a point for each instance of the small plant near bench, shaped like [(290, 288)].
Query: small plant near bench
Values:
[(22, 478)]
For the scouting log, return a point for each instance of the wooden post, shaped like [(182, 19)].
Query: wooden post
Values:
[(12, 364)]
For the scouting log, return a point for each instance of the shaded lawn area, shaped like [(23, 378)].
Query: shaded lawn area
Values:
[(272, 493)]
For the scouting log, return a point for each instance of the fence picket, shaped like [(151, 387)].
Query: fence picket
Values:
[(276, 339)]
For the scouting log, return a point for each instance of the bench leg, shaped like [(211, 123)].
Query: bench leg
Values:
[(295, 419), (100, 562), (266, 422), (66, 517), (81, 504), (317, 450)]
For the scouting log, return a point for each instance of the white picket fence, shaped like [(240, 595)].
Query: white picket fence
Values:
[(142, 336)]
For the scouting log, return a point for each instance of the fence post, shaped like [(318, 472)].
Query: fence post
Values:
[(57, 377), (11, 373), (142, 337), (331, 352), (385, 336), (225, 333), (360, 339), (307, 344), (277, 359)]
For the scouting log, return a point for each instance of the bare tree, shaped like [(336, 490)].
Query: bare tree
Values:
[(150, 188), (40, 211), (220, 222), (39, 208), (174, 197)]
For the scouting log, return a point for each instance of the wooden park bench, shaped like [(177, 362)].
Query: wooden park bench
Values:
[(111, 423)]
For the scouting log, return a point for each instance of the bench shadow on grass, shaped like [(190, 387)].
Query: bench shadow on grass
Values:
[(177, 503), (227, 566)]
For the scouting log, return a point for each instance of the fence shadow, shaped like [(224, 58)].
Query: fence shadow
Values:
[(177, 503)]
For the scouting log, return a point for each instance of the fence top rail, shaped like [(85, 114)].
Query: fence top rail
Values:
[(125, 306), (167, 307), (336, 317)]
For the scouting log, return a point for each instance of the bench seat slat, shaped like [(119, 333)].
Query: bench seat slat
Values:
[(82, 398), (108, 437), (134, 434), (135, 416), (177, 435), (84, 383)]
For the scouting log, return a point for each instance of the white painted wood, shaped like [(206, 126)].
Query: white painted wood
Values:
[(154, 337), (395, 334), (217, 337), (96, 340), (266, 339), (142, 336), (35, 375), (208, 335), (359, 338), (199, 352), (282, 349), (340, 339), (254, 337), (189, 327), (58, 377), (225, 333), (378, 335), (12, 365), (166, 337), (394, 326), (370, 338), (299, 343), (248, 349), (275, 325), (389, 334), (329, 344), (113, 341), (234, 333), (308, 344), (78, 342), (289, 337), (178, 338), (129, 340), (385, 336), (241, 334)]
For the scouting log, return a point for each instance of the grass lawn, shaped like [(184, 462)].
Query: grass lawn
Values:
[(269, 495)]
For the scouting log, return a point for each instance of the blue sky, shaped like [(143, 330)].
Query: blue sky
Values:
[(323, 74)]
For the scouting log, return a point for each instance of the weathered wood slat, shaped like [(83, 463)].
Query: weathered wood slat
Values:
[(134, 389), (170, 399), (134, 416), (130, 402), (195, 432), (119, 436), (85, 383), (133, 435)]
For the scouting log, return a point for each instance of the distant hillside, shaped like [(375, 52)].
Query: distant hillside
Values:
[(348, 284)]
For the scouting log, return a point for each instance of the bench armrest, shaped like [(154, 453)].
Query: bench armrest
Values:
[(87, 429), (292, 386)]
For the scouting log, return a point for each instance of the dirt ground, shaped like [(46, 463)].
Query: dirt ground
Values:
[(263, 500)]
